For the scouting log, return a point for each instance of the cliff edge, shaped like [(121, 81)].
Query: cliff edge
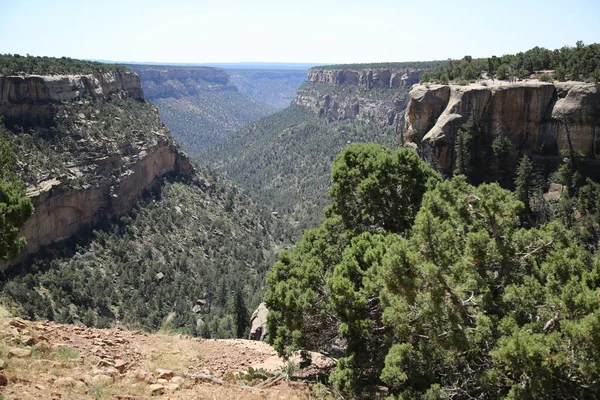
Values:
[(376, 95), (540, 119)]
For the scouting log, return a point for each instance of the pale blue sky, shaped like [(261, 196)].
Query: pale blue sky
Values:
[(319, 31)]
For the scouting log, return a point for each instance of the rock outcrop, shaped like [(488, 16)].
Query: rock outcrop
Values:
[(539, 119), (31, 100), (61, 211), (258, 323), (340, 94), (368, 78), (113, 178)]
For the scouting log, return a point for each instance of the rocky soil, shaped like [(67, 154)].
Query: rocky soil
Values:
[(46, 360)]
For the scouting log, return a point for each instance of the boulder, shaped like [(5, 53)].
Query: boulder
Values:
[(258, 323)]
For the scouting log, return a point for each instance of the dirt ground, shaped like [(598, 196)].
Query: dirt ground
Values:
[(46, 360)]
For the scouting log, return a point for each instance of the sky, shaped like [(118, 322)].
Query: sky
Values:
[(307, 31)]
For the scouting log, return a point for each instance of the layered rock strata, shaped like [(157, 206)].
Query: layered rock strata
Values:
[(374, 95), (540, 119), (32, 100)]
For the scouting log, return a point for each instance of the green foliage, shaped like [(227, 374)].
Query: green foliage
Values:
[(375, 188), (467, 303), (284, 160), (581, 62), (467, 150), (524, 181), (15, 207), (15, 64)]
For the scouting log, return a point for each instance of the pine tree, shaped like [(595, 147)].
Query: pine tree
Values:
[(524, 181), (242, 321)]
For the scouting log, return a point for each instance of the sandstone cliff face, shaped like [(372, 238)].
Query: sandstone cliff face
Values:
[(161, 82), (375, 95), (61, 211), (31, 100), (538, 118), (111, 178), (368, 78)]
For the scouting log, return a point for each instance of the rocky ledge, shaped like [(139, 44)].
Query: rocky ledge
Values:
[(538, 118), (367, 78), (31, 100)]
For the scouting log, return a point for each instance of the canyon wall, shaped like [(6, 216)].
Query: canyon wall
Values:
[(540, 119), (114, 177), (32, 100), (374, 95)]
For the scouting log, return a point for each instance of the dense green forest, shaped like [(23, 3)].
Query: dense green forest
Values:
[(284, 160), (581, 62), (441, 289), (14, 64)]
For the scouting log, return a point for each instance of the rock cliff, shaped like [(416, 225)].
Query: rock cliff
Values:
[(106, 147), (539, 119), (32, 100), (375, 95)]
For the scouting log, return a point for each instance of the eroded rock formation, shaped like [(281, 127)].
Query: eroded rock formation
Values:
[(339, 94), (31, 100), (538, 118)]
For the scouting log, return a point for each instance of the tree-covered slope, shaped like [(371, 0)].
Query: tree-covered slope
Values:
[(284, 159), (187, 244), (198, 104)]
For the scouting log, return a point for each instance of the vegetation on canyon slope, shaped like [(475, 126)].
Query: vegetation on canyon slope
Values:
[(284, 159), (451, 296), (15, 207)]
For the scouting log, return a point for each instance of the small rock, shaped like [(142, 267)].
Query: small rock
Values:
[(177, 380), (112, 371), (162, 381), (18, 353), (159, 277), (164, 373), (18, 323), (28, 340), (171, 387), (120, 365), (1, 364), (3, 380), (157, 389)]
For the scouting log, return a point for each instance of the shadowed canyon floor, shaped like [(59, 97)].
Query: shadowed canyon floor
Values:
[(46, 360)]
